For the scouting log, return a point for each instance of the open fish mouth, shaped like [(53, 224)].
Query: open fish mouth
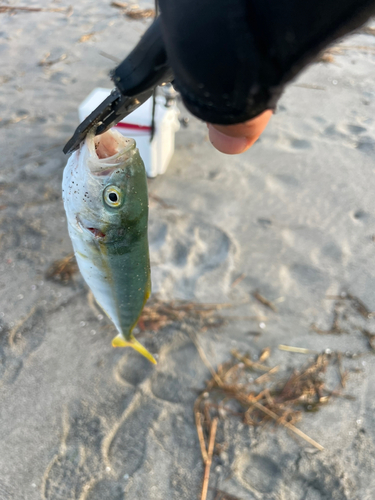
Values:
[(108, 151), (96, 232)]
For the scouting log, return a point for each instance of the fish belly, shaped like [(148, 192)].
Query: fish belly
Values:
[(118, 279)]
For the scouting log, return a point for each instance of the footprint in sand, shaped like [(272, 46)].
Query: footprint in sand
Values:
[(356, 129), (166, 385), (78, 462), (126, 450), (18, 342), (189, 257), (258, 472), (106, 489)]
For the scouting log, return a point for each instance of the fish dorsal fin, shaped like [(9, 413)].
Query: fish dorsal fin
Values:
[(119, 341)]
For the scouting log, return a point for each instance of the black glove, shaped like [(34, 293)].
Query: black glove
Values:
[(232, 58)]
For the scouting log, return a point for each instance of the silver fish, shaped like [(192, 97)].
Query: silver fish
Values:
[(106, 203)]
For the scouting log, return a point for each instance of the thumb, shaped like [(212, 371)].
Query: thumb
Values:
[(235, 139)]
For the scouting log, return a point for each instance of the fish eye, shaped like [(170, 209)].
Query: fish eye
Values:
[(112, 196)]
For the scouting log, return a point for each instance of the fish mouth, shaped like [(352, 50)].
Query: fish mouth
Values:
[(108, 151), (93, 231), (96, 232)]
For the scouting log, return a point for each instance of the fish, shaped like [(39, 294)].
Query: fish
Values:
[(106, 204)]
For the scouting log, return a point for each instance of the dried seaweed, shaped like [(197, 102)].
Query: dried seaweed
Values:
[(158, 314), (335, 327), (340, 315), (63, 270), (229, 392), (134, 11)]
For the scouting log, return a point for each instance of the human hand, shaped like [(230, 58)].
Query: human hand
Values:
[(235, 139)]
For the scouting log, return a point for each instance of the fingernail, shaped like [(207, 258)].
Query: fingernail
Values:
[(225, 143)]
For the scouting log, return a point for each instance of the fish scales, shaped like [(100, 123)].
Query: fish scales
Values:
[(106, 202)]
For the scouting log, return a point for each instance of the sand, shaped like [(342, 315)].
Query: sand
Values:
[(293, 218)]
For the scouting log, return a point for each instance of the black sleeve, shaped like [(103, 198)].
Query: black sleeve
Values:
[(232, 58)]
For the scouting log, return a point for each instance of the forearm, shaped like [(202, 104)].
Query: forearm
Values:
[(232, 58)]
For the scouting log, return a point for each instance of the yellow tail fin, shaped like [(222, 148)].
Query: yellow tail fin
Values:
[(119, 341)]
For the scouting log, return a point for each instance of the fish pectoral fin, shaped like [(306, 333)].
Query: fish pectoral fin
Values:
[(119, 341)]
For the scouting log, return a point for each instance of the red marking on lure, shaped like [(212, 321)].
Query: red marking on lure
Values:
[(133, 126)]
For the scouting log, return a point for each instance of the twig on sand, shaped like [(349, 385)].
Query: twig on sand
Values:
[(207, 467), (265, 301), (363, 48), (249, 363), (109, 56), (14, 8), (49, 62), (120, 5), (198, 423), (134, 11), (263, 378), (238, 280), (300, 350), (205, 360), (312, 86), (289, 426)]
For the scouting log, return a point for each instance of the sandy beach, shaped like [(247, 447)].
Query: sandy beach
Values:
[(272, 247)]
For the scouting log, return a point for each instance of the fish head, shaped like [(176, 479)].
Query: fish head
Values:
[(105, 188)]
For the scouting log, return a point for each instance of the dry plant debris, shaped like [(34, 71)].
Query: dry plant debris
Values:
[(63, 270), (222, 495), (157, 314), (265, 301), (87, 37), (15, 8), (326, 57), (238, 280), (341, 48), (312, 86), (134, 11), (230, 392), (46, 61), (367, 30), (343, 322)]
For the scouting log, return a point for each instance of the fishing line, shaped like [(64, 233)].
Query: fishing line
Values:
[(155, 89)]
